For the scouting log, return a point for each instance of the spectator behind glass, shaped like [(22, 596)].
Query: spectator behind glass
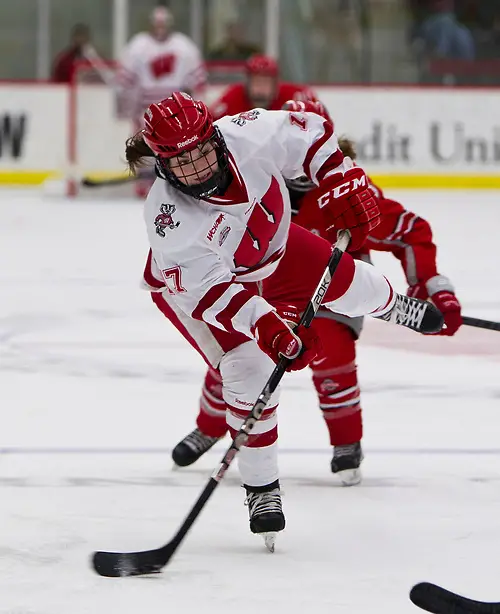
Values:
[(482, 17), (439, 33), (338, 41), (64, 63), (234, 46)]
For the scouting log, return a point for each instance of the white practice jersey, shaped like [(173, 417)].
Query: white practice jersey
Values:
[(203, 250), (151, 69)]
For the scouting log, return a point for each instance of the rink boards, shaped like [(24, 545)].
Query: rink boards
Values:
[(407, 137)]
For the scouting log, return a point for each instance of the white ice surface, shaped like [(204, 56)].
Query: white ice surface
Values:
[(96, 387)]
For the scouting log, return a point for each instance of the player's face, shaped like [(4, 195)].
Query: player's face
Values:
[(160, 30), (195, 166), (261, 89)]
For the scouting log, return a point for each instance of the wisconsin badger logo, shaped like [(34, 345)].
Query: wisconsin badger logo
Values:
[(165, 220)]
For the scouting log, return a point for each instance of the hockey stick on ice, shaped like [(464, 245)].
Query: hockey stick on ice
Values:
[(115, 564), (438, 600), (479, 323)]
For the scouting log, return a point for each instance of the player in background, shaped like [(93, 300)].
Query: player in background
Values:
[(226, 266), (65, 62), (153, 65), (261, 88), (409, 238)]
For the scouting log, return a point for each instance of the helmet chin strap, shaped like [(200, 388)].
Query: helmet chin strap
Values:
[(204, 189)]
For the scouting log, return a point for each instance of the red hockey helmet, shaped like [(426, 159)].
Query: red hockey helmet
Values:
[(178, 125), (261, 65)]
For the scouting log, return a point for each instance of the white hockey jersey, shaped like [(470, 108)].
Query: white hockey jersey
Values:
[(150, 70), (204, 250)]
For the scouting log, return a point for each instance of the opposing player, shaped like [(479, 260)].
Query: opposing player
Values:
[(153, 65), (409, 238), (226, 266), (261, 88)]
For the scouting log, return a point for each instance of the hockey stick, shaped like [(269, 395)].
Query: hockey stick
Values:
[(88, 182), (115, 564), (100, 183), (479, 323), (438, 600)]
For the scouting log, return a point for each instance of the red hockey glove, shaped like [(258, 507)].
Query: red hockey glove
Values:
[(440, 290), (347, 203), (276, 338)]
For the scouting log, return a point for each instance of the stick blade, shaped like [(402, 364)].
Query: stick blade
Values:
[(123, 564), (437, 600)]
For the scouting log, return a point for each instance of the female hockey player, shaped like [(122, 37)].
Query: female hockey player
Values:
[(225, 261), (334, 375)]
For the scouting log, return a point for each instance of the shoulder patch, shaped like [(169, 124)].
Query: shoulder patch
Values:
[(242, 118), (165, 219)]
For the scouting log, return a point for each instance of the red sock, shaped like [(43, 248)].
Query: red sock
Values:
[(212, 415), (336, 382)]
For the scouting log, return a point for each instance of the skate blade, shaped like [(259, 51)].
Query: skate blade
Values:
[(349, 477), (270, 540)]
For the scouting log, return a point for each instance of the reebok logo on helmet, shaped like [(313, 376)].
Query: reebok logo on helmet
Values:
[(188, 141)]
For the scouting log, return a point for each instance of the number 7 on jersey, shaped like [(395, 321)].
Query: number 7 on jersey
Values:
[(172, 279)]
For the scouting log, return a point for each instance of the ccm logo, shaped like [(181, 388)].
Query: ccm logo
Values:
[(187, 142), (342, 190)]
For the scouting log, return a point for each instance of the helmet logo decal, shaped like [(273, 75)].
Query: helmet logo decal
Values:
[(193, 139)]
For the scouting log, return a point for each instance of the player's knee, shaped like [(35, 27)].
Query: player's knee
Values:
[(337, 341), (245, 370), (368, 292)]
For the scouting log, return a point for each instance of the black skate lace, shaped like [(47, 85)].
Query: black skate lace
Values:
[(199, 442), (348, 450), (263, 502), (407, 312)]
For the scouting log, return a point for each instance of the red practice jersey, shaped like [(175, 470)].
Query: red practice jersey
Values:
[(235, 99), (401, 232)]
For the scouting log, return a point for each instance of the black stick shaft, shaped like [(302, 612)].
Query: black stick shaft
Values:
[(479, 323)]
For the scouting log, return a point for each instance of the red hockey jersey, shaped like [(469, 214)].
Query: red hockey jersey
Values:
[(401, 232), (235, 99)]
